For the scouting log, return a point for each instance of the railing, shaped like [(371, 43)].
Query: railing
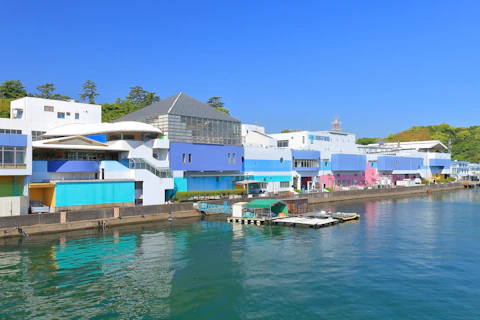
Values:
[(214, 208), (162, 173)]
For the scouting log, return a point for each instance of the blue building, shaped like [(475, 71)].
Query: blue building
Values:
[(205, 151)]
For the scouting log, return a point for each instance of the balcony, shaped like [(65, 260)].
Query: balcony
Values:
[(72, 166)]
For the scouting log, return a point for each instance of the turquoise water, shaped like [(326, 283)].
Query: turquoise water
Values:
[(415, 258)]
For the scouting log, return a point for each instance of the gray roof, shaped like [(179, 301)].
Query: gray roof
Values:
[(181, 105)]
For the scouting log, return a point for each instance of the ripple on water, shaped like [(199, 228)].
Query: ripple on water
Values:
[(405, 258)]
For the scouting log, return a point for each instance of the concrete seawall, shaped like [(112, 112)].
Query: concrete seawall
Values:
[(77, 220)]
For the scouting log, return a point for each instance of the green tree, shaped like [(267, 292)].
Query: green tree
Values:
[(286, 131), (365, 141), (217, 103), (112, 111), (89, 92), (12, 89), (141, 97), (47, 92)]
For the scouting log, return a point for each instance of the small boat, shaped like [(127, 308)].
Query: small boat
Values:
[(341, 216)]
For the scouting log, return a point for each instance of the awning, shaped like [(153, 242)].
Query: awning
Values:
[(244, 182), (42, 185), (263, 203), (273, 205)]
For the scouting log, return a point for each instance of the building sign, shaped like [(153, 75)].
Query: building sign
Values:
[(318, 138)]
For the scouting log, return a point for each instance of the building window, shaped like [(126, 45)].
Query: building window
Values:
[(303, 139), (284, 184), (229, 158), (68, 113), (12, 157), (77, 115), (184, 158), (281, 160), (48, 109), (234, 159), (37, 135), (61, 115), (10, 131), (189, 158), (217, 179), (282, 143)]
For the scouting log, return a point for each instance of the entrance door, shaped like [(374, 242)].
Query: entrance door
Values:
[(7, 208)]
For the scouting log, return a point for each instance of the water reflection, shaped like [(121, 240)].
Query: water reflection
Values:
[(418, 251)]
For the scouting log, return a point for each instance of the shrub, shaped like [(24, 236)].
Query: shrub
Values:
[(187, 195)]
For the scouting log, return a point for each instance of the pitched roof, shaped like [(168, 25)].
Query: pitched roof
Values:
[(181, 105), (428, 144)]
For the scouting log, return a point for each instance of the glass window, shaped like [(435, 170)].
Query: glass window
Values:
[(284, 184), (9, 155), (77, 116), (234, 160), (229, 158), (20, 155), (189, 158), (184, 159), (61, 115), (68, 113), (48, 108)]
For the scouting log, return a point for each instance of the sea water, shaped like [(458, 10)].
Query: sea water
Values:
[(406, 258)]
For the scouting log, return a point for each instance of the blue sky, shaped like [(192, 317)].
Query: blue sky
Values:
[(382, 66)]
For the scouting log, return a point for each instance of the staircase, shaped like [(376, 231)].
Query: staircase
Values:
[(140, 163)]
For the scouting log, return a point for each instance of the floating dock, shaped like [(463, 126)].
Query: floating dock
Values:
[(305, 222), (296, 221)]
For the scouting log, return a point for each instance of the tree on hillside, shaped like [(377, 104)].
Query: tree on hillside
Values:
[(365, 141), (216, 103), (12, 89), (112, 111), (142, 97), (89, 92), (47, 92)]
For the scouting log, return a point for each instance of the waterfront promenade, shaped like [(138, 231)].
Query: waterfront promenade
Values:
[(110, 217)]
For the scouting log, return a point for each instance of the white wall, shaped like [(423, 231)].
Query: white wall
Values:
[(13, 206), (41, 120), (153, 187), (339, 142)]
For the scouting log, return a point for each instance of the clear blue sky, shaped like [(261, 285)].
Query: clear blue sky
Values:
[(382, 66)]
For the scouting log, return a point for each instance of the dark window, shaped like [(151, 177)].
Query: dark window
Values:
[(189, 158)]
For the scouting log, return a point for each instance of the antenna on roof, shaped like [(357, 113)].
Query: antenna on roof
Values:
[(336, 124)]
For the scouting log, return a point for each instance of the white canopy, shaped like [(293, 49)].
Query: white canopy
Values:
[(78, 129)]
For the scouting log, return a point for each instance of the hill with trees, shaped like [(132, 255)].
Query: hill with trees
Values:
[(136, 99), (465, 141)]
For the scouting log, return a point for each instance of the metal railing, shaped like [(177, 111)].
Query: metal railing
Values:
[(138, 163)]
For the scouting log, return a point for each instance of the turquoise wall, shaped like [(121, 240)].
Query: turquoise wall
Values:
[(93, 192), (180, 184)]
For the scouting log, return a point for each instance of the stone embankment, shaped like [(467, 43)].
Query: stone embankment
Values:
[(109, 217)]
